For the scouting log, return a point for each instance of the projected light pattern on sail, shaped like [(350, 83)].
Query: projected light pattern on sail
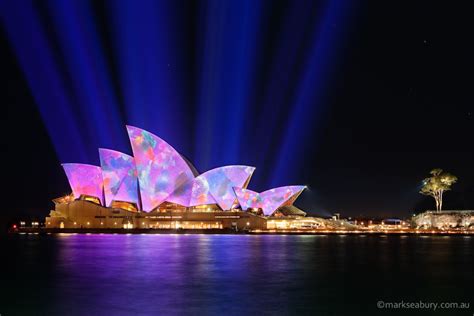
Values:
[(119, 176), (217, 184), (84, 180), (164, 176), (270, 200), (161, 169)]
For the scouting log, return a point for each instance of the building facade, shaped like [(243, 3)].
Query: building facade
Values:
[(83, 214)]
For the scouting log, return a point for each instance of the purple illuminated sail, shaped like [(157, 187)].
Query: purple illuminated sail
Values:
[(200, 194), (161, 169), (162, 174), (219, 184), (213, 187), (248, 198), (270, 200), (84, 179), (119, 177)]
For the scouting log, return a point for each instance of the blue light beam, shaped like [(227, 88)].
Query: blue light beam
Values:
[(28, 39), (307, 105), (226, 61)]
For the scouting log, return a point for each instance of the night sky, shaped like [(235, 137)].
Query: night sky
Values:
[(358, 100)]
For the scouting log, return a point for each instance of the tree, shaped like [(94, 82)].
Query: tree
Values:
[(439, 182)]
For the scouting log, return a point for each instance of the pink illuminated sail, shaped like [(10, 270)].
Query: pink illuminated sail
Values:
[(84, 179), (220, 182), (269, 201), (248, 198), (119, 176), (157, 173), (161, 169), (216, 185)]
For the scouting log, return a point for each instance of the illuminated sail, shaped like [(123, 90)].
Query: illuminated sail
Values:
[(119, 175), (269, 201), (84, 179)]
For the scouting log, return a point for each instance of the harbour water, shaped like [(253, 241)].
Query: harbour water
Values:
[(95, 274)]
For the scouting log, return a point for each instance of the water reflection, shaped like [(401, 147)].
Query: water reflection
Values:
[(229, 274)]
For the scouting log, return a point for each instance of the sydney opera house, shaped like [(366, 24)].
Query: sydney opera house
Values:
[(158, 188)]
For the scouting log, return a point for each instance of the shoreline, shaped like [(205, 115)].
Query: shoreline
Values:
[(111, 231)]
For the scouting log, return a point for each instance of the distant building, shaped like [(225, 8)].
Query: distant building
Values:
[(159, 188)]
